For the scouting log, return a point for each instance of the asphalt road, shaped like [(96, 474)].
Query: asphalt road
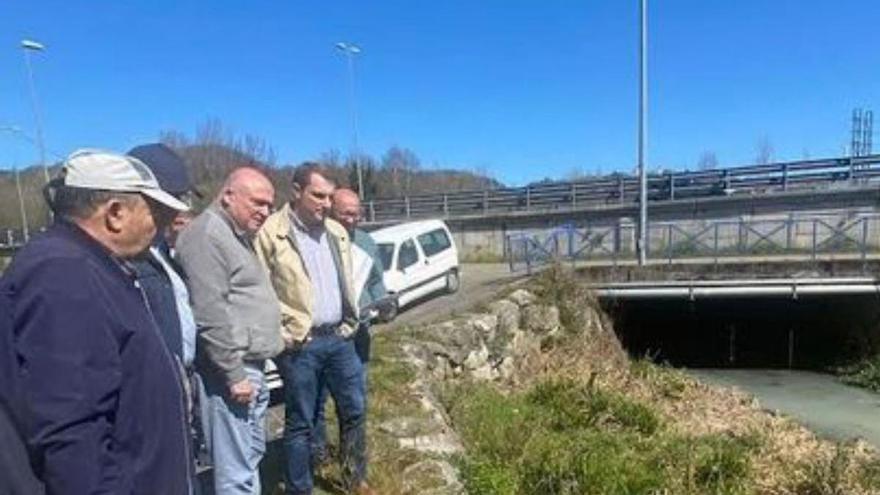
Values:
[(479, 283)]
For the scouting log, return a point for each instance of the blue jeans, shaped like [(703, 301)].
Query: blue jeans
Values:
[(361, 341), (331, 361), (236, 433)]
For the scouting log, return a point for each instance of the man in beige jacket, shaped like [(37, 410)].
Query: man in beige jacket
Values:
[(309, 260)]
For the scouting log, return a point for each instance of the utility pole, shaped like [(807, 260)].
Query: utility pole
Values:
[(643, 133), (350, 50), (25, 230), (27, 47)]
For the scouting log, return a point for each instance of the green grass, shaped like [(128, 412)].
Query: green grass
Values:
[(864, 373), (565, 437)]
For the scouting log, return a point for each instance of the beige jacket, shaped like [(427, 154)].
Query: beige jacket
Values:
[(276, 247)]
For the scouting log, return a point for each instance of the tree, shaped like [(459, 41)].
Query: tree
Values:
[(764, 151), (400, 164), (368, 175), (708, 161), (216, 150)]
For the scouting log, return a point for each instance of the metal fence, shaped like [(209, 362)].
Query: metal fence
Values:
[(802, 238), (624, 189), (11, 238)]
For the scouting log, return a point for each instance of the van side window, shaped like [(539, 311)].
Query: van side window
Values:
[(434, 241), (407, 256), (386, 252)]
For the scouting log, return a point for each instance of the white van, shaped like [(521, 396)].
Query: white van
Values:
[(420, 258)]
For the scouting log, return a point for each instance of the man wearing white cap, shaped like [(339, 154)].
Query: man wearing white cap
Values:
[(92, 392)]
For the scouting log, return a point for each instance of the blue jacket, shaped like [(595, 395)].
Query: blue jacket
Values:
[(17, 475), (160, 295), (93, 391)]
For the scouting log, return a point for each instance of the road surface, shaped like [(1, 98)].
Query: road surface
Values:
[(479, 283)]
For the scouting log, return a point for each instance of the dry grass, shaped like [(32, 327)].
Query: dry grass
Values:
[(790, 460)]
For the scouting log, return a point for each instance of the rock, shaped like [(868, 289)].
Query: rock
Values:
[(432, 477), (454, 341), (507, 314), (485, 372), (408, 427), (506, 368), (477, 358), (483, 324), (541, 318), (438, 443), (522, 297), (442, 370)]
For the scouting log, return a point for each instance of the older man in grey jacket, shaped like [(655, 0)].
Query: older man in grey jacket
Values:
[(238, 319)]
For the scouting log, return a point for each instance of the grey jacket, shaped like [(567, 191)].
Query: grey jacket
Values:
[(235, 307)]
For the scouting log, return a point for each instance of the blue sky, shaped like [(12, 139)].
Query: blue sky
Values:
[(523, 90)]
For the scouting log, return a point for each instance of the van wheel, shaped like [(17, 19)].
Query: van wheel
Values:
[(453, 282)]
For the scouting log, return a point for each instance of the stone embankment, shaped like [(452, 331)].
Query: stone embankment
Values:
[(488, 345)]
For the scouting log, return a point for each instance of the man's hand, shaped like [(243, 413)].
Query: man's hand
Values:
[(242, 391), (386, 308)]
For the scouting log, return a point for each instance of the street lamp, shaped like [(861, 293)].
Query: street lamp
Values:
[(16, 131), (350, 50), (643, 133), (29, 46)]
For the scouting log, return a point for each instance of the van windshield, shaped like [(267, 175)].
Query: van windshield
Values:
[(386, 251)]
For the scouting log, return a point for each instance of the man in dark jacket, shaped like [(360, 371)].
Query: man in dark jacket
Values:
[(94, 394), (163, 283), (158, 273), (17, 476)]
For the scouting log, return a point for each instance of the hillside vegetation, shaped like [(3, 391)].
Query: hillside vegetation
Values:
[(215, 150)]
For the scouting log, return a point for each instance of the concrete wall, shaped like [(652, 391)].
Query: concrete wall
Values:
[(485, 239)]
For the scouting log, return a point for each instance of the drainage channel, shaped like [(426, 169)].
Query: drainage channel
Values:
[(778, 350)]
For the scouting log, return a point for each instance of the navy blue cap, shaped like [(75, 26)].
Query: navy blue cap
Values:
[(167, 166)]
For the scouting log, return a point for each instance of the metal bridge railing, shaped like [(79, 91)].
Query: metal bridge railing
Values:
[(802, 238), (623, 189)]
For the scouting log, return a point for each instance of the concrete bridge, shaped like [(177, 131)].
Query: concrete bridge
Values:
[(483, 221)]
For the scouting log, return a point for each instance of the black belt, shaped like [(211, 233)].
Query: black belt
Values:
[(326, 329)]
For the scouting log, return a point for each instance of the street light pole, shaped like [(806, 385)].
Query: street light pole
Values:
[(29, 46), (643, 133), (350, 50)]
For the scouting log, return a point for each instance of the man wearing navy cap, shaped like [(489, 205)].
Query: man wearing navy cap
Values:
[(159, 274), (163, 281)]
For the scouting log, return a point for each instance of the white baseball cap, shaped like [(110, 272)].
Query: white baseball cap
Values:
[(108, 171)]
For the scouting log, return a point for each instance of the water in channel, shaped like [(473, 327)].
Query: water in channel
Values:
[(778, 350)]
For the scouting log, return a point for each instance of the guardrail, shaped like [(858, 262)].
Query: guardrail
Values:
[(623, 189), (11, 239), (809, 238)]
